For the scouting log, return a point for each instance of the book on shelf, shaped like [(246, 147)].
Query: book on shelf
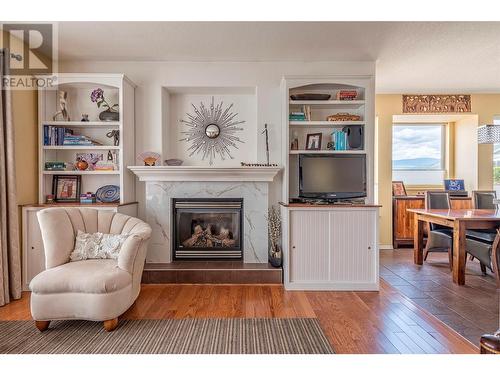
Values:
[(55, 166), (61, 136), (347, 95), (87, 198), (339, 139)]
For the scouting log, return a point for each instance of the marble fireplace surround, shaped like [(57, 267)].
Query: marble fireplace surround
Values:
[(165, 183)]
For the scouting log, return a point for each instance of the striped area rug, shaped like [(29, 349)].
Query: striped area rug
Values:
[(171, 336)]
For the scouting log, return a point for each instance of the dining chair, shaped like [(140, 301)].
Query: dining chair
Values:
[(483, 199), (440, 238), (480, 241), (487, 252)]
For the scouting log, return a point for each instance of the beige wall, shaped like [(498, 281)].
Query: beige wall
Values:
[(24, 108), (387, 105)]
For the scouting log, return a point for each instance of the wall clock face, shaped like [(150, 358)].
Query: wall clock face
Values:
[(211, 131)]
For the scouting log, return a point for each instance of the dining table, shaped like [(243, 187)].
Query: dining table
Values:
[(460, 220)]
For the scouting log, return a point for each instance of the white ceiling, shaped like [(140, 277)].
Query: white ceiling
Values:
[(411, 57)]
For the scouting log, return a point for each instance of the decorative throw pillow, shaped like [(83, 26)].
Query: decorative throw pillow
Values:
[(97, 246)]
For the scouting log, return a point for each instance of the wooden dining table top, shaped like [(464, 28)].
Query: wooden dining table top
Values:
[(459, 214)]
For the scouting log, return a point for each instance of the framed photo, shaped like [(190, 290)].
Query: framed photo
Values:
[(398, 189), (313, 141), (66, 188), (454, 185)]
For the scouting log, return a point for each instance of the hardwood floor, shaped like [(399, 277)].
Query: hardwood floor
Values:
[(471, 309), (354, 322)]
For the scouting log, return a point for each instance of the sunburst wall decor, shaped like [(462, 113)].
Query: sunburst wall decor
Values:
[(211, 131)]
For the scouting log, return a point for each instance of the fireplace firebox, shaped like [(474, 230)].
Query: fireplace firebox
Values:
[(207, 228)]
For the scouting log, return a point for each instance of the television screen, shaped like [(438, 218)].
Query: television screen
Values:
[(332, 176)]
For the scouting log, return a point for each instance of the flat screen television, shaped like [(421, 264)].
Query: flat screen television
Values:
[(332, 177)]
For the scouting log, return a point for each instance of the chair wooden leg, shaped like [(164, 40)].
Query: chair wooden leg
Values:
[(42, 325), (483, 269), (111, 324), (450, 258)]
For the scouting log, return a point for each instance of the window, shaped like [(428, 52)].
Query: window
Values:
[(418, 153)]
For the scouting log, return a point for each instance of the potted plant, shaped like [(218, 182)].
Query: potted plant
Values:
[(274, 228), (111, 112)]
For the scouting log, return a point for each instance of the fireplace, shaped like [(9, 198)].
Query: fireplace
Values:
[(207, 228)]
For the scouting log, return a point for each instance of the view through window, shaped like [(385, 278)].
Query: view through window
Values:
[(418, 153)]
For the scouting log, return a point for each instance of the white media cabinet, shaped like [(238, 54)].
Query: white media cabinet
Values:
[(328, 247)]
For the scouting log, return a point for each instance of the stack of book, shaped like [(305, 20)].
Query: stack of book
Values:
[(347, 95), (298, 116), (87, 198), (55, 166), (339, 139), (77, 140), (105, 166), (54, 136), (303, 115)]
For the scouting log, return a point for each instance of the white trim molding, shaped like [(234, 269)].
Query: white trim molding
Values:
[(195, 173)]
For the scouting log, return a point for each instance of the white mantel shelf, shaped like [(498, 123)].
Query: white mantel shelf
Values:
[(203, 174)]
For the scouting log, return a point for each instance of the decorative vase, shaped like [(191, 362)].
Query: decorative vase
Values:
[(109, 115), (275, 257)]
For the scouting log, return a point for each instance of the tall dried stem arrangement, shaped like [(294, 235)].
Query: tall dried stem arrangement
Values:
[(274, 227)]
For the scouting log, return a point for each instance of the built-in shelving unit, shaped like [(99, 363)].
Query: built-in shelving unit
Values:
[(328, 247), (316, 122), (118, 89)]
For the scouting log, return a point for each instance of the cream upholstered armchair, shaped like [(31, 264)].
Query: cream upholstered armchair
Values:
[(93, 289)]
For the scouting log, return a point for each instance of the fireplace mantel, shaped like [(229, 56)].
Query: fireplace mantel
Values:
[(204, 174)]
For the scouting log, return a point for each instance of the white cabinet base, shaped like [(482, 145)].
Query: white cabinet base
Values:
[(330, 248)]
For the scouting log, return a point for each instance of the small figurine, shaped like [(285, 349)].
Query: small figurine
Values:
[(85, 118), (115, 134), (295, 142)]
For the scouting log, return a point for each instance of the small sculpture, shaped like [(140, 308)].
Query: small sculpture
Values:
[(63, 97), (115, 134), (267, 142)]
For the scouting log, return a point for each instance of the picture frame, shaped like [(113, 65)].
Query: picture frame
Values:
[(454, 184), (398, 189), (313, 141), (66, 188)]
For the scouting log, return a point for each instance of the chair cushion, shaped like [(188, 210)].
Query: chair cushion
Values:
[(86, 276), (487, 235)]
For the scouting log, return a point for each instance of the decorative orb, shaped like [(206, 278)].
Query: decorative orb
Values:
[(212, 131)]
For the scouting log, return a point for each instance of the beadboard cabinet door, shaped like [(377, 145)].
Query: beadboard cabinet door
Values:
[(309, 246), (332, 249), (353, 255)]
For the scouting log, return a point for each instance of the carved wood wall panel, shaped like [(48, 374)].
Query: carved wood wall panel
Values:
[(436, 103)]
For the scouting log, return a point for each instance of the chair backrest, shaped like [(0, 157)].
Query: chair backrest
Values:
[(437, 200), (484, 199), (59, 227)]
